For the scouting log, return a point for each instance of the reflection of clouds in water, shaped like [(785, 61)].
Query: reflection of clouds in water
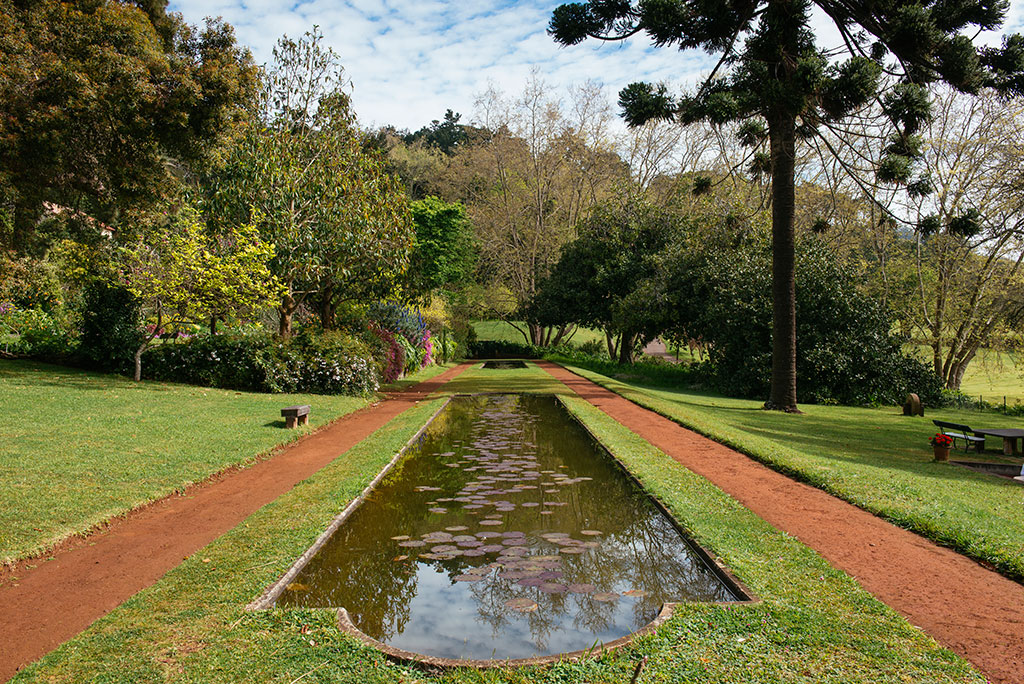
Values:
[(441, 618), (440, 614)]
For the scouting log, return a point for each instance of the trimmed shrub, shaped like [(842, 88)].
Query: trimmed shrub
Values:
[(111, 328), (329, 363)]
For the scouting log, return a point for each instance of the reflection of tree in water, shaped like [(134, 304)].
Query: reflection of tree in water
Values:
[(488, 444)]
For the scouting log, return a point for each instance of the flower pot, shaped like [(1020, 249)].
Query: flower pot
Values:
[(941, 452)]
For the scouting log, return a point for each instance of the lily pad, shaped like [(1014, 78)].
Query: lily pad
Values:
[(467, 578), (491, 522), (400, 558), (443, 548), (582, 588), (571, 550), (401, 537), (412, 544), (606, 597), (553, 588), (639, 593), (456, 528), (530, 582), (521, 605), (591, 533)]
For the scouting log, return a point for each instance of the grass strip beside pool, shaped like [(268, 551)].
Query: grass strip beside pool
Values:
[(814, 625), (81, 448), (876, 459)]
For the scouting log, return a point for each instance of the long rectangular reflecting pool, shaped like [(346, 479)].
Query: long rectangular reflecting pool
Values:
[(506, 531)]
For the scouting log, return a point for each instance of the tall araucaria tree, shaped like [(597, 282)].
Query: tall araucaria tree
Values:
[(771, 75)]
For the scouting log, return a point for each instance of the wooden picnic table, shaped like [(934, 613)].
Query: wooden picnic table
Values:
[(1009, 436)]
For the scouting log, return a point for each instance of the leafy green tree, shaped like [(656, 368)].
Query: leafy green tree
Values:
[(850, 354), (783, 87), (181, 274), (105, 104), (443, 253), (339, 221), (598, 281)]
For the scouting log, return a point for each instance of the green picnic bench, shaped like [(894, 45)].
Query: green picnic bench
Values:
[(962, 432)]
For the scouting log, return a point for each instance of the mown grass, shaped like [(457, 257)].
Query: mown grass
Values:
[(815, 624), (79, 448), (504, 332), (877, 459)]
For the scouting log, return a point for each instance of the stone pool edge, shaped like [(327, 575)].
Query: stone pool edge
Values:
[(266, 601), (269, 597), (346, 625)]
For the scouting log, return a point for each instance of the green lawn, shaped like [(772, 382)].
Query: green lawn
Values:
[(877, 459), (815, 624), (504, 332), (80, 448)]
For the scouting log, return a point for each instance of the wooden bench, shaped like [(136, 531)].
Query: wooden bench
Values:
[(295, 415), (958, 431)]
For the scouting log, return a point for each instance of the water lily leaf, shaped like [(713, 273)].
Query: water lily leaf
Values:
[(553, 588), (635, 592), (412, 543), (591, 533), (521, 605), (582, 588), (606, 597)]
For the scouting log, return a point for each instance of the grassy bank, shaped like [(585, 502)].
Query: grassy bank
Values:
[(877, 459), (80, 448), (814, 624)]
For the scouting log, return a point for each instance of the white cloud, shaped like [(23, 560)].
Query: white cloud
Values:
[(409, 60)]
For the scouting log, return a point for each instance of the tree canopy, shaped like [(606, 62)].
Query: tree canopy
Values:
[(772, 76), (104, 103)]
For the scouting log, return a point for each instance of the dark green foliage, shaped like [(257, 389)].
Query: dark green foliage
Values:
[(846, 352), (96, 97), (442, 255), (596, 282), (501, 349), (110, 328), (445, 135), (328, 363)]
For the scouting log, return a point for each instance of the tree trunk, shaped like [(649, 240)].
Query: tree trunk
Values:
[(213, 324), (610, 340), (327, 311), (781, 130), (138, 361), (626, 348), (285, 310)]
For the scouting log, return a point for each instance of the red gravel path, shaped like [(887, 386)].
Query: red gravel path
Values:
[(973, 611), (46, 605)]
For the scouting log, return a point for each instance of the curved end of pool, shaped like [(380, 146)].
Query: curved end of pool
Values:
[(346, 625)]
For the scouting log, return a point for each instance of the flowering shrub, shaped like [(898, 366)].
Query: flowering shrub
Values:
[(253, 360), (394, 354), (940, 440), (428, 348)]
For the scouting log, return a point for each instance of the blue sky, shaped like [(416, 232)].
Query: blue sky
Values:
[(409, 60)]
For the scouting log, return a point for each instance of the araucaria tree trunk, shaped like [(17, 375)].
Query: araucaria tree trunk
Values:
[(782, 136)]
